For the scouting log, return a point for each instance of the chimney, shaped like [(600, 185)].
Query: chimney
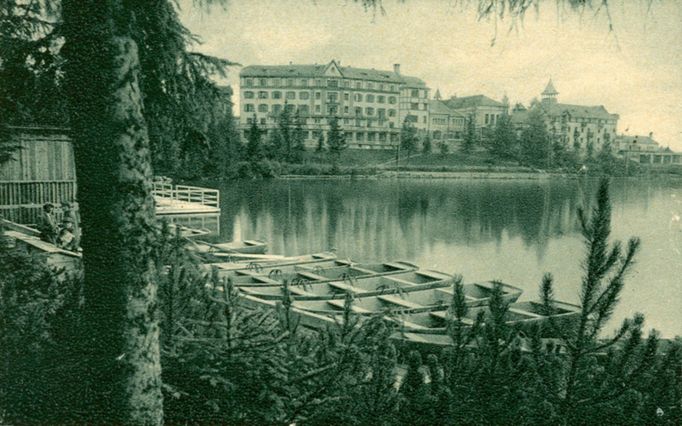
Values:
[(396, 68), (651, 135)]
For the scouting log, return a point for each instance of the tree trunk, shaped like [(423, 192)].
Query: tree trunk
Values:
[(120, 352)]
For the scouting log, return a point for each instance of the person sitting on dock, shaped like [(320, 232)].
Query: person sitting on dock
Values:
[(70, 213), (48, 224), (67, 236)]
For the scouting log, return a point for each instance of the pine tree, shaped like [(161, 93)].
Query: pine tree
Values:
[(408, 138), (503, 143), (298, 137), (254, 148), (605, 270), (336, 139), (470, 136), (121, 358), (320, 143), (535, 140), (427, 145)]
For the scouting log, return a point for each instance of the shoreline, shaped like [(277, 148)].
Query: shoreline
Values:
[(493, 175)]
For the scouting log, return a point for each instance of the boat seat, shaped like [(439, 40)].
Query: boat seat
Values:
[(339, 303), (311, 275), (345, 287), (411, 325), (401, 281), (397, 300), (526, 313), (443, 315)]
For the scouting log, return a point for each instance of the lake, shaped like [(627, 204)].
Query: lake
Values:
[(512, 230)]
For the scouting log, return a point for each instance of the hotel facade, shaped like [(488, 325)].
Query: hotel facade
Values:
[(369, 104)]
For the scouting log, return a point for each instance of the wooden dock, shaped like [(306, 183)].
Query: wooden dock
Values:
[(185, 199)]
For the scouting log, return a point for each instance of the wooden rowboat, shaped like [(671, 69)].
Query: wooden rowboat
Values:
[(338, 270), (392, 282), (267, 262), (436, 298)]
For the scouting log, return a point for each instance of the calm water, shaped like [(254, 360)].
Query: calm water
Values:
[(514, 231)]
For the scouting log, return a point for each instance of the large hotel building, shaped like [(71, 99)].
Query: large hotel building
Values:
[(371, 105)]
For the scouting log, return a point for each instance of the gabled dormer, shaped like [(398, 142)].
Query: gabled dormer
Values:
[(333, 69)]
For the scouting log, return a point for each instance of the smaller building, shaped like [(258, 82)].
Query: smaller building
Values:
[(485, 111), (645, 150), (445, 125)]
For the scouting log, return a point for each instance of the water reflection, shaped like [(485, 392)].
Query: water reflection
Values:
[(389, 219), (485, 229)]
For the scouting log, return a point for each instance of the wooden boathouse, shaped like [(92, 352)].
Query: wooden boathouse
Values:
[(42, 170)]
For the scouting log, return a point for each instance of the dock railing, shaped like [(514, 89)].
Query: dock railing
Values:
[(187, 193)]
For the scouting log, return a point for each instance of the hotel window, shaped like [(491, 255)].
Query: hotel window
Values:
[(276, 109), (358, 85), (381, 112), (262, 95), (391, 100), (317, 121), (358, 97), (369, 111), (248, 82), (249, 108), (360, 136), (317, 108), (358, 111), (289, 107), (332, 83), (346, 121), (392, 88), (248, 121), (381, 87), (263, 108), (304, 83), (331, 110), (414, 106), (318, 83), (276, 94), (318, 95), (370, 86), (381, 99), (332, 96), (346, 96), (291, 95), (487, 118), (346, 83), (303, 95), (345, 110), (391, 113), (263, 82), (371, 136), (414, 93), (303, 109), (290, 82), (262, 121), (369, 98), (248, 95)]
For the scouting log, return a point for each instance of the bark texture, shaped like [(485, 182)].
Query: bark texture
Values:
[(120, 352)]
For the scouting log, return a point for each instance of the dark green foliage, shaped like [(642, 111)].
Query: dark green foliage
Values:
[(503, 142), (408, 138), (298, 143), (30, 66), (320, 143), (443, 148), (254, 147), (471, 137), (336, 139), (535, 140), (427, 145)]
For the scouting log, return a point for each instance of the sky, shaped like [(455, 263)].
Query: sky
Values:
[(635, 70)]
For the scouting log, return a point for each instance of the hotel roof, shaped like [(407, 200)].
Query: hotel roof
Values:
[(472, 101), (315, 71)]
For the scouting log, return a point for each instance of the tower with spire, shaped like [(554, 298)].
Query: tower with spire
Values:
[(549, 95), (437, 95)]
